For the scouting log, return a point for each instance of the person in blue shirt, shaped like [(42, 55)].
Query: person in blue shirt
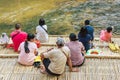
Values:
[(85, 38), (89, 28)]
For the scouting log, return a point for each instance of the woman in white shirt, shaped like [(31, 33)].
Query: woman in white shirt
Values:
[(41, 31)]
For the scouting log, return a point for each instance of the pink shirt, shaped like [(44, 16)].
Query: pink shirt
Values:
[(75, 48), (19, 38), (105, 36), (27, 58)]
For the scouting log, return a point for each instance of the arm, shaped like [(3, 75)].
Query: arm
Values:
[(36, 52), (46, 52), (84, 52), (70, 65), (42, 56), (83, 49)]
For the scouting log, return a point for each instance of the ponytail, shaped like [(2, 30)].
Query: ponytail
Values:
[(26, 47), (29, 37)]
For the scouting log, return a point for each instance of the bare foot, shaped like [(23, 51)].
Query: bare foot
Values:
[(75, 69), (42, 69)]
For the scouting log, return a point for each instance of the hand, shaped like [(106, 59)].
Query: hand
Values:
[(50, 49)]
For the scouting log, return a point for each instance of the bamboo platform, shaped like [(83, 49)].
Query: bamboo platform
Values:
[(53, 38), (105, 51), (93, 69), (105, 66)]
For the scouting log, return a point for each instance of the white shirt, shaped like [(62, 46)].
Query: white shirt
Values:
[(41, 35), (4, 39)]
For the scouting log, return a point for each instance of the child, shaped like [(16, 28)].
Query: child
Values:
[(106, 35), (4, 39)]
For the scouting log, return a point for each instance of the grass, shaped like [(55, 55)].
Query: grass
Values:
[(28, 13), (19, 10)]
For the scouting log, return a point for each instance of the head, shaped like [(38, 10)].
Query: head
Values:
[(87, 22), (3, 34), (72, 37), (60, 42), (109, 29), (30, 37), (17, 26), (41, 22), (83, 31)]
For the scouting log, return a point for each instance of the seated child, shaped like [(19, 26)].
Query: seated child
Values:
[(4, 39), (106, 35)]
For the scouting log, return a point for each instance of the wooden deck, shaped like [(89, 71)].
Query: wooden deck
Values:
[(93, 69), (105, 66), (52, 43)]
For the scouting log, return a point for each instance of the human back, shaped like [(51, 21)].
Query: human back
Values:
[(58, 59), (106, 35), (18, 36), (28, 50), (76, 49), (90, 29), (41, 31), (85, 38), (55, 59)]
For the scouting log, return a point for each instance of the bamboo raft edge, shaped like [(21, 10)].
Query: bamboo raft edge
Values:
[(97, 37), (86, 56)]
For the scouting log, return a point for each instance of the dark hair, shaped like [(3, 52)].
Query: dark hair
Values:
[(41, 22), (72, 37), (87, 22), (109, 29), (29, 37), (17, 26), (83, 31), (3, 35)]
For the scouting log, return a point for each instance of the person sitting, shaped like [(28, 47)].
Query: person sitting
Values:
[(90, 29), (18, 36), (106, 35), (85, 38), (28, 51), (4, 39), (54, 60), (41, 31), (76, 50)]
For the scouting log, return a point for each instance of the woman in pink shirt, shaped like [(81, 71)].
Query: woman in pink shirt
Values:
[(28, 51), (106, 35), (77, 50)]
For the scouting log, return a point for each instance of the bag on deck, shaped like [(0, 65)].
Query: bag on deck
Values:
[(37, 62), (93, 51), (113, 46), (37, 42)]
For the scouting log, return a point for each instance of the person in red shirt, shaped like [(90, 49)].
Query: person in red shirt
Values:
[(18, 36)]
